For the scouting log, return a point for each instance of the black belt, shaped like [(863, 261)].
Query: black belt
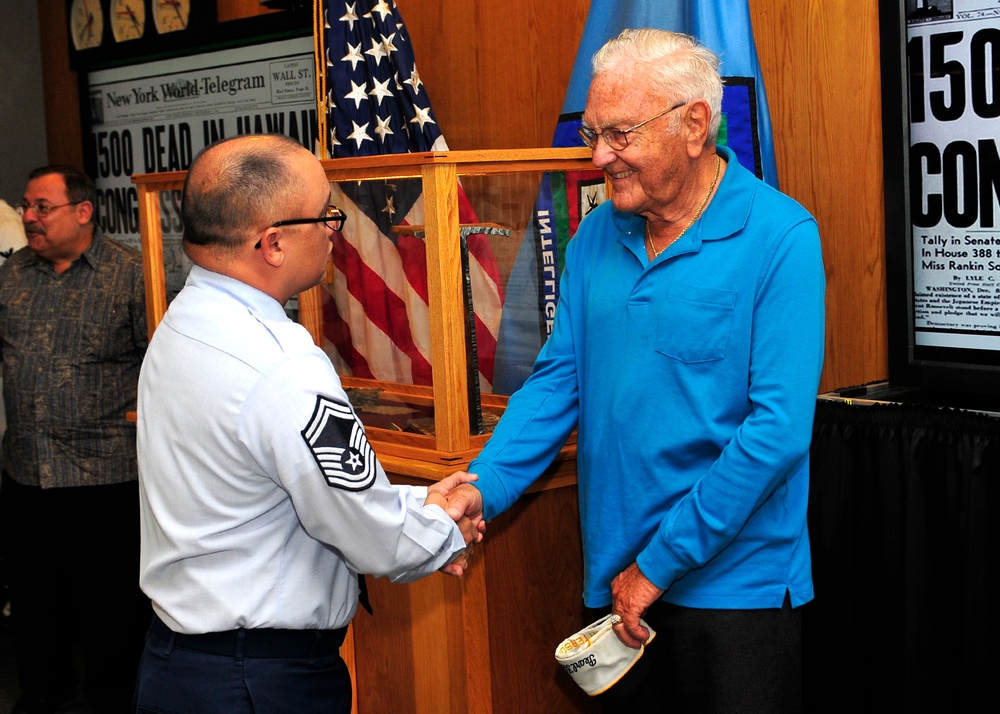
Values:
[(259, 643)]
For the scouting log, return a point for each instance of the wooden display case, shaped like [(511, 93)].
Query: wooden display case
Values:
[(452, 439), (485, 642)]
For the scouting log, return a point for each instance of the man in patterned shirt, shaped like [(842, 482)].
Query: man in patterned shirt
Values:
[(72, 338)]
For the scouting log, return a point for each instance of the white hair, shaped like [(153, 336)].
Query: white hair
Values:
[(680, 69)]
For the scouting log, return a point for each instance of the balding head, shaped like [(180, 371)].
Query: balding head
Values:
[(235, 188), (242, 201)]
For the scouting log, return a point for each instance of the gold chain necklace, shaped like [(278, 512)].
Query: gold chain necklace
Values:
[(697, 215)]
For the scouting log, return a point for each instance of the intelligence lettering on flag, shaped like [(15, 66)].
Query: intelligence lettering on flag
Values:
[(376, 320)]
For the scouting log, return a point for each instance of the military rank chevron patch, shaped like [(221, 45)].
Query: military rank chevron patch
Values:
[(337, 441)]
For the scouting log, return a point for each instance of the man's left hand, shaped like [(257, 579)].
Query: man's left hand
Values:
[(631, 595)]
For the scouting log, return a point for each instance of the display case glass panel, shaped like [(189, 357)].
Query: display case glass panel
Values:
[(441, 287)]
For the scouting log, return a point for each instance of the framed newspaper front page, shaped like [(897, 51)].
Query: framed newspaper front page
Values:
[(941, 125), (156, 116)]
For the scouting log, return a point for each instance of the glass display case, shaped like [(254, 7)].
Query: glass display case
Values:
[(440, 290)]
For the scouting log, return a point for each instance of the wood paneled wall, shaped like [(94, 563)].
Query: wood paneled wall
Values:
[(497, 71), (499, 79), (820, 60), (59, 86)]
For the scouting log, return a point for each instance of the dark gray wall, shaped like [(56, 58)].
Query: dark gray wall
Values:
[(22, 110)]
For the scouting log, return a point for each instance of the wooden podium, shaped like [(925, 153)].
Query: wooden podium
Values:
[(485, 642)]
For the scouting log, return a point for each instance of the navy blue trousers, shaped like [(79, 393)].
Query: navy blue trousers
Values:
[(175, 679)]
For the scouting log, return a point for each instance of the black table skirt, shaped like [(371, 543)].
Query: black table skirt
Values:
[(904, 518)]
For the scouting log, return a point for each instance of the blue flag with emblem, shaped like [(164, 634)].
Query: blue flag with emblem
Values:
[(723, 26)]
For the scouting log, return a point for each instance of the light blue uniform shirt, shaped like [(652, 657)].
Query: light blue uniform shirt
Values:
[(260, 496), (692, 381)]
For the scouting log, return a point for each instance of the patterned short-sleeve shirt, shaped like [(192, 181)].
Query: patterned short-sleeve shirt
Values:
[(72, 344)]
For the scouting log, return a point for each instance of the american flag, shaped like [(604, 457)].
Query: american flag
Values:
[(377, 323)]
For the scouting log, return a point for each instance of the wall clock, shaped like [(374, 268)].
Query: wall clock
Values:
[(86, 24), (171, 15), (128, 19)]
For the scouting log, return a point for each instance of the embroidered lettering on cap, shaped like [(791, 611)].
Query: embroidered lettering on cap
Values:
[(337, 441), (573, 667)]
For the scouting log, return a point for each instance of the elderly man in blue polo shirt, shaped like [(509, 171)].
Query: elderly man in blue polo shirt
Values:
[(686, 350)]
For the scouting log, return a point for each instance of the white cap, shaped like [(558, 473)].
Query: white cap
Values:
[(596, 659)]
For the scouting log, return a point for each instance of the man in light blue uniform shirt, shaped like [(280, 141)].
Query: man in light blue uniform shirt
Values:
[(261, 499), (686, 350)]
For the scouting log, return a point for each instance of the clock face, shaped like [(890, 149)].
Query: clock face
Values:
[(171, 15), (128, 19), (86, 24)]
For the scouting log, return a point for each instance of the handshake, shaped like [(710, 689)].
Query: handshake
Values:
[(464, 504)]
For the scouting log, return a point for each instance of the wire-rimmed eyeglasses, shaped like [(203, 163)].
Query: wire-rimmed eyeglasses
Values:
[(617, 139), (333, 217), (41, 209)]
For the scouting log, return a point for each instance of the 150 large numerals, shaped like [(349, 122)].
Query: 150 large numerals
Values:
[(972, 76)]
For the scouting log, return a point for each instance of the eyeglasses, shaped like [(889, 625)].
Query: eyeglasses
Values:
[(617, 139), (41, 209), (333, 217)]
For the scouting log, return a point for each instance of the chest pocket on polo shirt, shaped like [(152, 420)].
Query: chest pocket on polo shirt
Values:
[(695, 322)]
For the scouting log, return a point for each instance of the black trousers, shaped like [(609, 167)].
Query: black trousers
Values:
[(72, 563), (714, 662)]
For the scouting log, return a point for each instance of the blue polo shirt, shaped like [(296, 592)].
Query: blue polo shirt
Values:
[(692, 380)]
